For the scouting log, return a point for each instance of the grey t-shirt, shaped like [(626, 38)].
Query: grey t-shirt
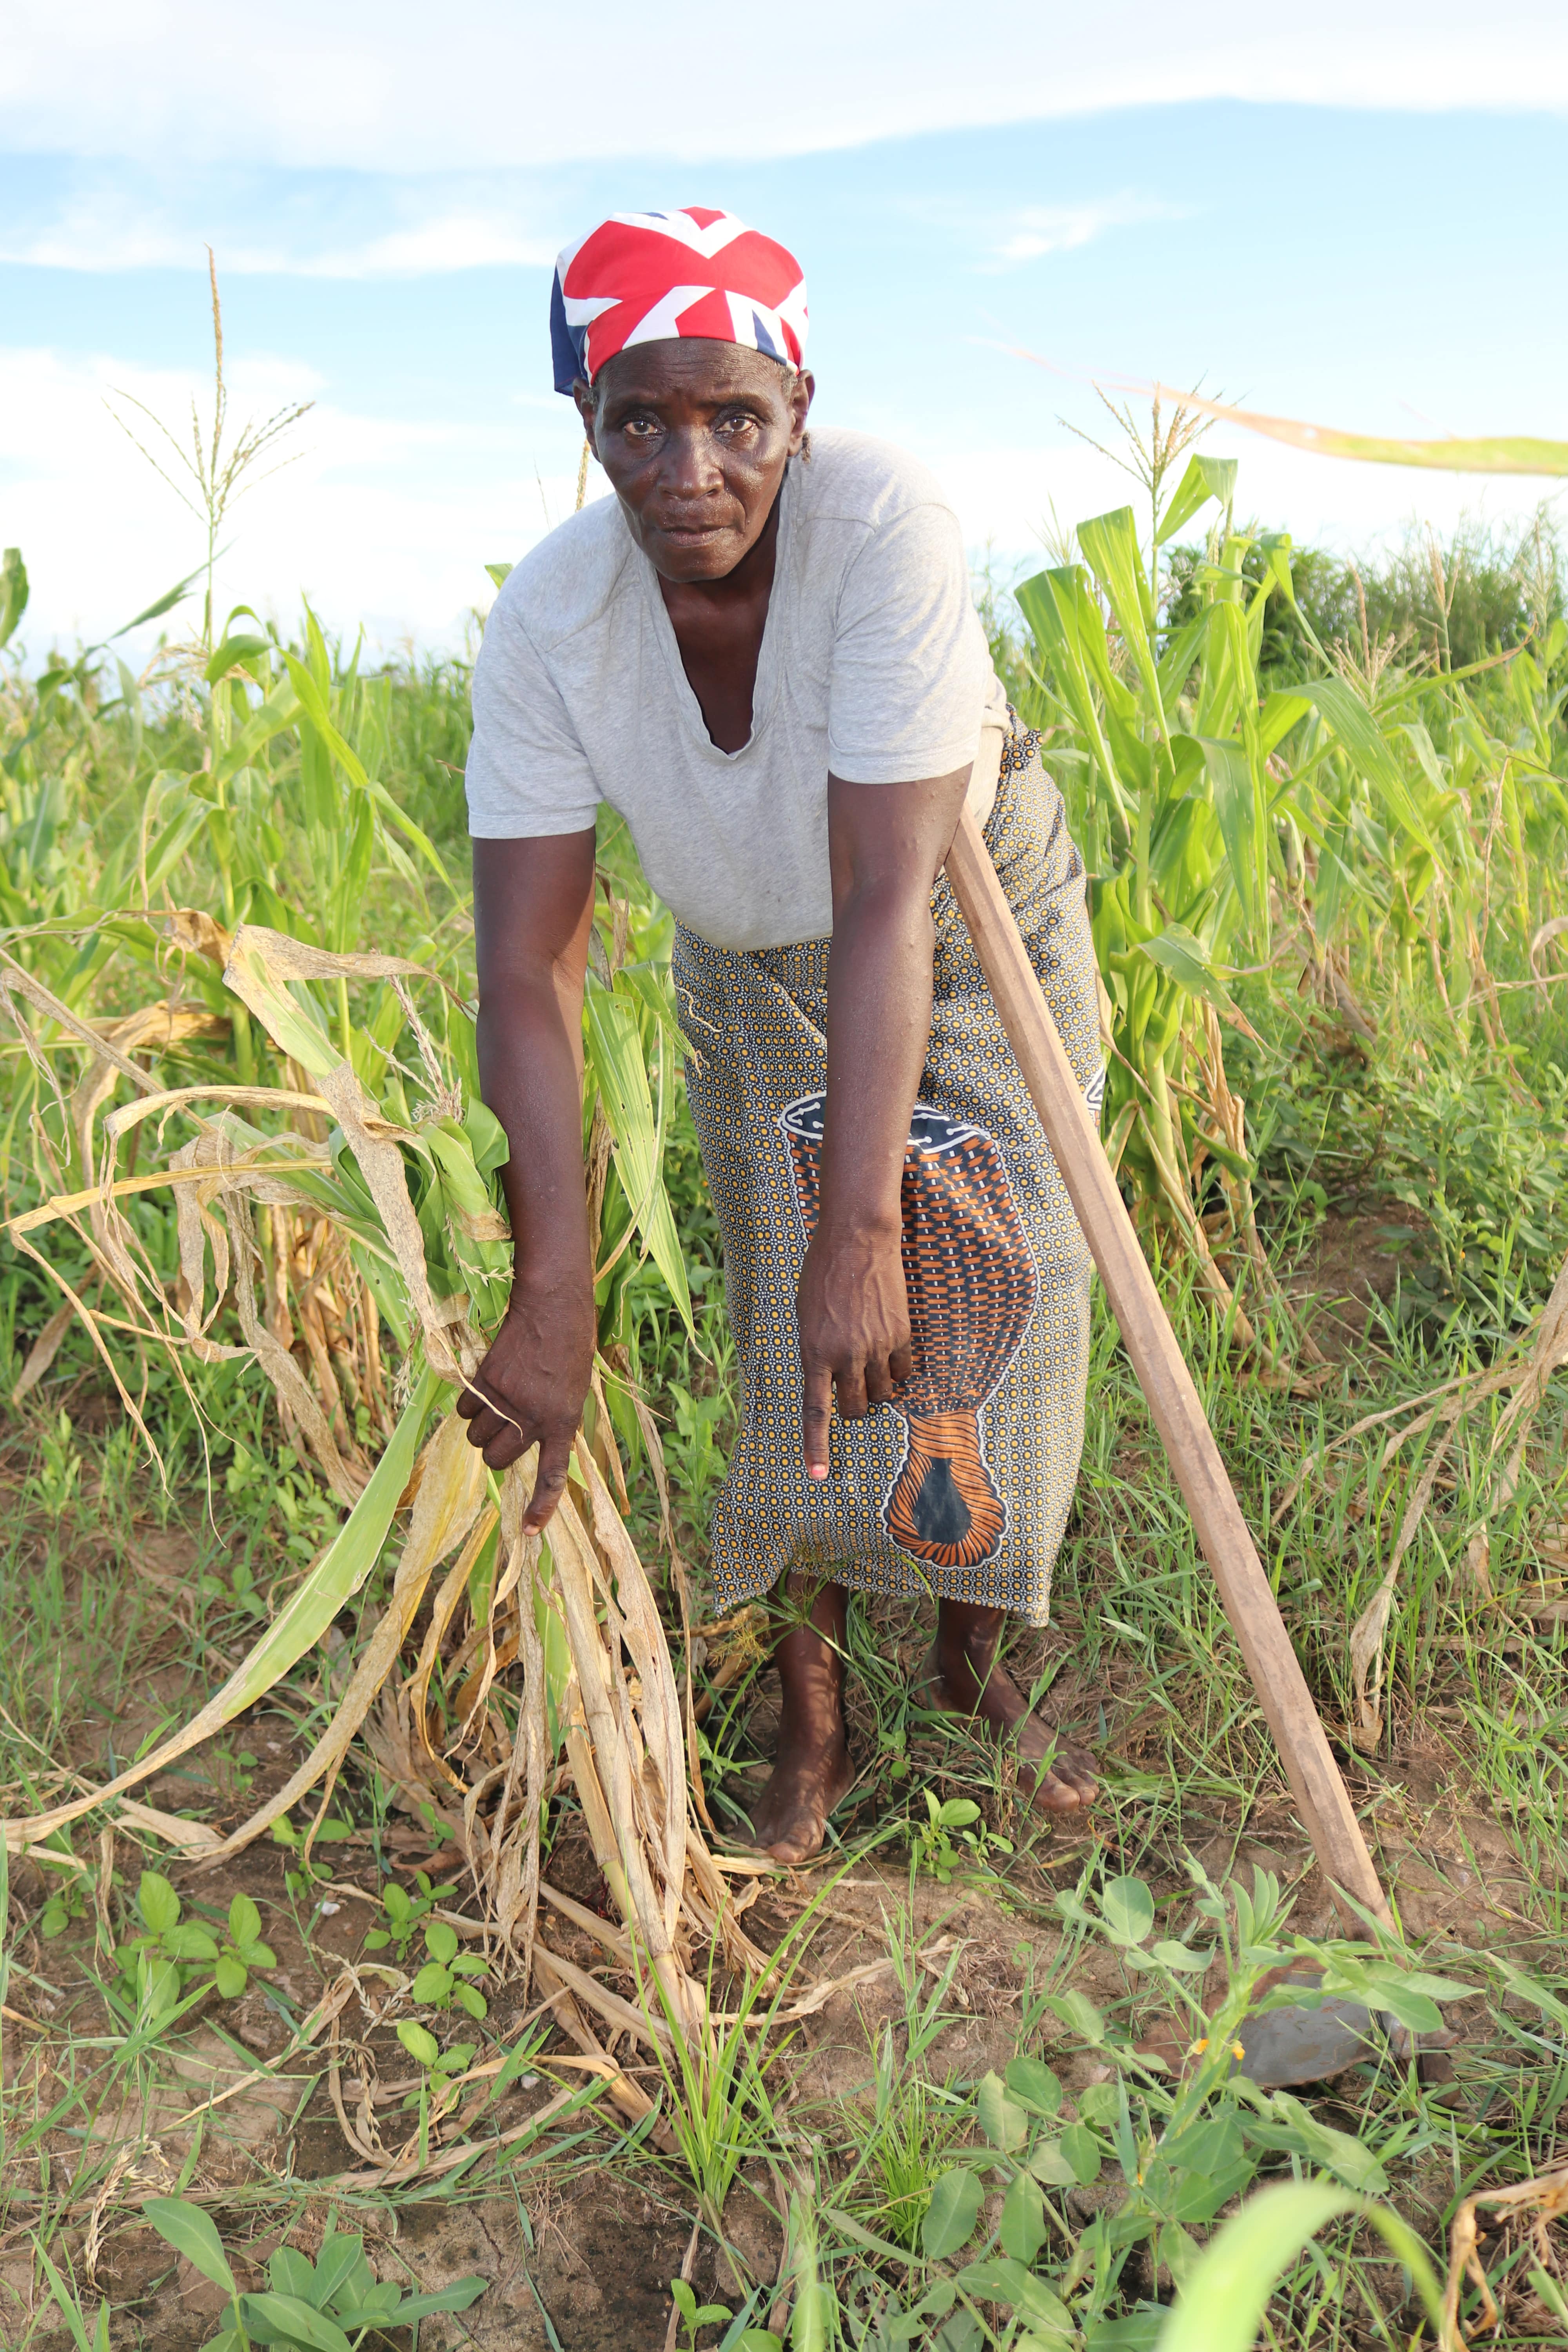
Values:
[(874, 665)]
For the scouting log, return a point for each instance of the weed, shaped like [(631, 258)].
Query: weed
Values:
[(320, 2306), (404, 1912), (933, 1850), (171, 1953), (447, 1974)]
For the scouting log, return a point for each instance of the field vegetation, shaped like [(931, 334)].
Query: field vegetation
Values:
[(394, 1994)]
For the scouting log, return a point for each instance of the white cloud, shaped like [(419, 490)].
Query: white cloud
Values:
[(121, 230), (1040, 229), (382, 522), (390, 85)]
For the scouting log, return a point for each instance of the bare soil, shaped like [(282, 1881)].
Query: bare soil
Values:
[(593, 2248)]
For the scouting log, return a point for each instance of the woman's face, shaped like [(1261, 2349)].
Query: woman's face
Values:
[(694, 437)]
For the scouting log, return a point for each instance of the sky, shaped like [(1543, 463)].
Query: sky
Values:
[(1352, 218)]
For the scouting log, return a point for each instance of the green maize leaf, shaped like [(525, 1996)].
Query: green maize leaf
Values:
[(299, 1625), (163, 604), (312, 693), (1222, 2305), (1235, 806), (406, 826), (1180, 652), (1071, 634), (192, 2233), (169, 845), (1229, 685), (652, 984), (278, 711), (14, 592), (1109, 541), (292, 1029), (615, 1054), (1206, 479), (487, 1137), (232, 654), (1186, 960), (1349, 719), (345, 905), (1280, 712)]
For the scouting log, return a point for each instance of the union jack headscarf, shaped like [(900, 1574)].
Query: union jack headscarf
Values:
[(644, 277)]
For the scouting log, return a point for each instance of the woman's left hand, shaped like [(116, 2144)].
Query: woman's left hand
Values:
[(886, 843), (853, 1316)]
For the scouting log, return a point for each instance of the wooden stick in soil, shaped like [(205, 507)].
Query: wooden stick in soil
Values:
[(1286, 1703)]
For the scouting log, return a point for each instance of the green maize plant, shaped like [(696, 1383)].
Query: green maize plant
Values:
[(1166, 766), (1216, 817)]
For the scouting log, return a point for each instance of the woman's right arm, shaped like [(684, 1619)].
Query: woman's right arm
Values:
[(533, 913)]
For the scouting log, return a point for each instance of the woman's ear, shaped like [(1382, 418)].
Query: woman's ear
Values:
[(588, 411), (801, 394)]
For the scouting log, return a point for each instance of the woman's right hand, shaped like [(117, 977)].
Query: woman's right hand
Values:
[(533, 909), (530, 1387)]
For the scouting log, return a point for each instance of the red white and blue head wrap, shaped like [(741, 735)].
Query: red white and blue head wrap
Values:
[(645, 278)]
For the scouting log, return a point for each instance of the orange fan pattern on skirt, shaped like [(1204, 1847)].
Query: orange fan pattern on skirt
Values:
[(971, 1279)]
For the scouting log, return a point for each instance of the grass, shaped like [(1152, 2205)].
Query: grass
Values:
[(904, 2172)]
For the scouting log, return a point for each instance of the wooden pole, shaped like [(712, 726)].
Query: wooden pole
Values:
[(1320, 1791)]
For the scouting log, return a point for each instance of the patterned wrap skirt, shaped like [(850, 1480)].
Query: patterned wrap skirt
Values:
[(962, 1486)]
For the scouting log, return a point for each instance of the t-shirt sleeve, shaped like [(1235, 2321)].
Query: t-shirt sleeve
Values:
[(527, 771), (910, 665)]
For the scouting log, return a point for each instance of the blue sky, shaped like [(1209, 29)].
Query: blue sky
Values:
[(1385, 256)]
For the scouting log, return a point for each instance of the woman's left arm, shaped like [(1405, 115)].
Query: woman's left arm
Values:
[(886, 845)]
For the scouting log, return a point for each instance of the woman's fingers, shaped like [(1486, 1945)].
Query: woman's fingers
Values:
[(815, 1413), (550, 1479), (502, 1444), (850, 1381), (879, 1380)]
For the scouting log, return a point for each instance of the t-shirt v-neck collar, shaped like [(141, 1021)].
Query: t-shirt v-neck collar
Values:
[(770, 667)]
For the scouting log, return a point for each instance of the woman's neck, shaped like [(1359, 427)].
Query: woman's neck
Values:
[(718, 626)]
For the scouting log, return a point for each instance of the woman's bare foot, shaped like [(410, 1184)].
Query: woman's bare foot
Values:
[(811, 1767), (960, 1676)]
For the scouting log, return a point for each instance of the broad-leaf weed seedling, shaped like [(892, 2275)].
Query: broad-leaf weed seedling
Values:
[(447, 1976), (438, 2071), (307, 1872), (67, 1901), (327, 2306), (404, 1912), (1182, 2148), (695, 2315), (171, 1953), (933, 1849)]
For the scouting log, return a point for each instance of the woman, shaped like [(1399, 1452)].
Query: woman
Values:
[(763, 652)]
